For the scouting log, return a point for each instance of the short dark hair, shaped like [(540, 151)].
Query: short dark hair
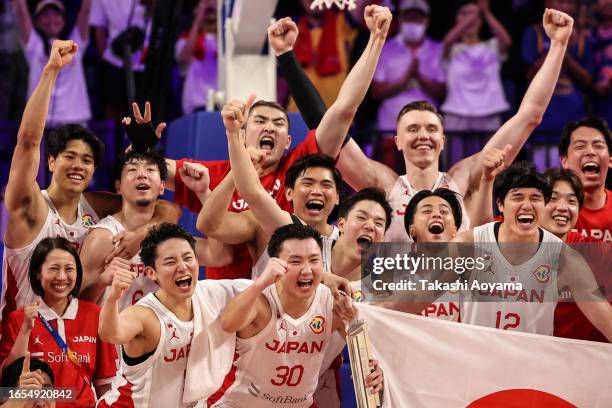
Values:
[(149, 156), (447, 195), (374, 194), (299, 167), (292, 231), (158, 235), (419, 106), (590, 122), (270, 104), (556, 174), (520, 175), (11, 372), (58, 140), (39, 256)]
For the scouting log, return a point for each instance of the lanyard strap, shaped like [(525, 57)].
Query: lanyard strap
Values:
[(64, 347)]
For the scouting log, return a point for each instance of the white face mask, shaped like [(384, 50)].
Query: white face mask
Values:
[(412, 32)]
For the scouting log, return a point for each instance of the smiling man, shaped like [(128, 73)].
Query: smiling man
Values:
[(586, 149)]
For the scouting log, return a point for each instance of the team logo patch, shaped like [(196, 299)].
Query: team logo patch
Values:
[(317, 324), (358, 296), (542, 273), (87, 220)]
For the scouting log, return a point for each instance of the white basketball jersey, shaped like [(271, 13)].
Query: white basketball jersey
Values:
[(328, 243), (280, 365), (16, 289), (140, 286), (160, 379), (530, 309), (401, 194)]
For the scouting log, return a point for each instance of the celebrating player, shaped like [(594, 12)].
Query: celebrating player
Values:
[(284, 323)]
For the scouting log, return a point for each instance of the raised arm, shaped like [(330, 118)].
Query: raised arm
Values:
[(249, 312), (516, 130), (360, 172), (114, 328), (185, 54), (82, 21), (20, 346), (281, 36), (459, 29), (23, 198), (211, 252), (264, 207), (24, 20), (499, 31), (336, 122)]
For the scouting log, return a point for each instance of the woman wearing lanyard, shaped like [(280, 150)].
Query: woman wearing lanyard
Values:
[(60, 329)]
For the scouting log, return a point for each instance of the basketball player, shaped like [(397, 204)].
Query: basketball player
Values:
[(140, 180), (63, 210), (518, 250), (586, 149), (420, 137), (156, 333), (283, 323), (267, 129)]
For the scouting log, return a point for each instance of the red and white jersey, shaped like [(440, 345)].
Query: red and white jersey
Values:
[(401, 194), (16, 289), (530, 309), (280, 365), (328, 243), (159, 380), (140, 286), (596, 223), (78, 327)]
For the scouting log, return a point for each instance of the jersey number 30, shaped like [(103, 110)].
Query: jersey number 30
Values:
[(286, 375)]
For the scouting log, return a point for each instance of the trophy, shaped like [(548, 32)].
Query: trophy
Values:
[(360, 354)]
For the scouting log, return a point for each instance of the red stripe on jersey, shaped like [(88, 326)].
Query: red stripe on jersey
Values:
[(125, 397), (230, 379), (10, 295)]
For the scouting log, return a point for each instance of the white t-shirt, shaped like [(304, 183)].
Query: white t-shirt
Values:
[(114, 15), (201, 75), (395, 60), (474, 86), (69, 100)]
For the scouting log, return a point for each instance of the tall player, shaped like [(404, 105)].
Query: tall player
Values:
[(586, 149), (63, 209), (520, 251), (420, 137), (267, 129), (156, 333), (283, 323), (140, 180)]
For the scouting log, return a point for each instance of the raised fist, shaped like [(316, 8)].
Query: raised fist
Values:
[(378, 20), (282, 35), (493, 161), (62, 53), (120, 275), (274, 270), (558, 25), (235, 114), (195, 176)]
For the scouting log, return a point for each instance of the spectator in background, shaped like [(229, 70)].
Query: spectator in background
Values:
[(69, 101), (603, 60), (568, 101), (322, 48), (117, 22), (196, 52), (475, 98), (410, 66), (13, 70)]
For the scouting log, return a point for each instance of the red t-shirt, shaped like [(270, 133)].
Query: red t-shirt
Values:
[(596, 223), (569, 320), (80, 324), (273, 182)]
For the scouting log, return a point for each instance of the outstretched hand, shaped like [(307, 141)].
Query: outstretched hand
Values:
[(282, 35)]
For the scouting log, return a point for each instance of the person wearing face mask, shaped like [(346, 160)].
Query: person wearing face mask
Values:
[(36, 34), (410, 67)]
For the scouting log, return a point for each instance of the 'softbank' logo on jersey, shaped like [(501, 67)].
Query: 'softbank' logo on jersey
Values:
[(87, 220), (317, 324), (358, 296), (542, 273)]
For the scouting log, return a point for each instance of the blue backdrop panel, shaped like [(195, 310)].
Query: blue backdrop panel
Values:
[(201, 136)]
